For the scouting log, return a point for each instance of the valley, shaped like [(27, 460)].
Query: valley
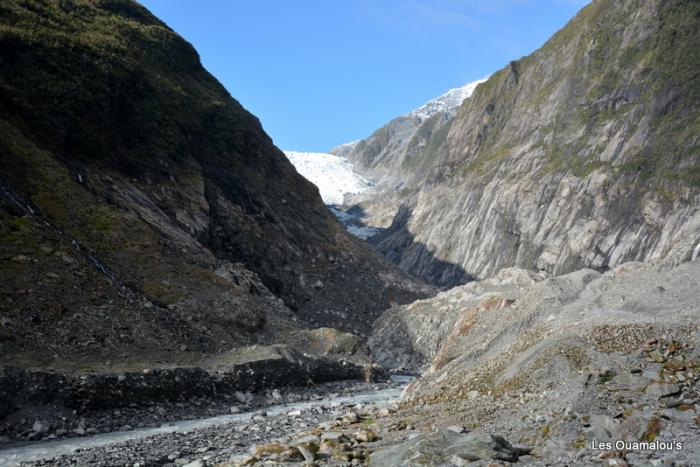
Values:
[(507, 275)]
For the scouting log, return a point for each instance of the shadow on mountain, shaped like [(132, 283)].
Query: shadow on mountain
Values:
[(399, 246)]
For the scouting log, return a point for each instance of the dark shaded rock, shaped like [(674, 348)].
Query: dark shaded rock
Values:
[(254, 368)]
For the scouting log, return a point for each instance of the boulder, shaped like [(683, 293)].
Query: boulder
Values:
[(443, 446), (660, 389)]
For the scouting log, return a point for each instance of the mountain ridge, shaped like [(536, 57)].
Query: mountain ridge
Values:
[(142, 208), (581, 154), (381, 157)]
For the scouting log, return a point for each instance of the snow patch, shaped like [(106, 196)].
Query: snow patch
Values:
[(451, 99)]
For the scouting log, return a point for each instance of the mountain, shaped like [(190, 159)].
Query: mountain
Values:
[(144, 213), (333, 175), (387, 156), (445, 102), (585, 153)]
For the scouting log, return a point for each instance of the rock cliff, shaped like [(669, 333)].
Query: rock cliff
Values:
[(582, 154), (390, 155)]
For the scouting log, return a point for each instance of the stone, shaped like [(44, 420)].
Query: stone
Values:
[(305, 439), (365, 436), (672, 402), (615, 462), (349, 418), (244, 460), (333, 435), (659, 389), (282, 451), (443, 446), (41, 426), (308, 450), (679, 416), (234, 409), (456, 429), (197, 463), (601, 428), (630, 381), (656, 356), (457, 461)]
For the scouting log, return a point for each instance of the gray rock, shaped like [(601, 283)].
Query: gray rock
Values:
[(680, 416), (630, 381), (332, 435), (602, 428), (444, 446), (308, 454), (197, 463), (304, 440), (662, 389), (41, 426), (456, 429)]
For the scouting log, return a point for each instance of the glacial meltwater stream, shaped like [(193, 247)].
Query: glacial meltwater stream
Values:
[(33, 451)]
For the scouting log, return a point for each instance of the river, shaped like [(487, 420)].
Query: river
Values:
[(14, 454)]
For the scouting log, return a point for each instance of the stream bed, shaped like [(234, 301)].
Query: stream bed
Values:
[(234, 424)]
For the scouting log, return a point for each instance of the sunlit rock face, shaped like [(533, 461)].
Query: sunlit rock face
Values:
[(582, 154)]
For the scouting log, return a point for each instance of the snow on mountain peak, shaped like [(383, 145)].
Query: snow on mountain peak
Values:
[(333, 175), (451, 99)]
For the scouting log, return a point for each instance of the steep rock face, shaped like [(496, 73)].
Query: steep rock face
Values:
[(583, 154), (390, 155), (142, 207)]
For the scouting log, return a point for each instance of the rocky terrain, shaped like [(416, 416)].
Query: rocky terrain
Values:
[(174, 293), (144, 211), (560, 365), (151, 234), (582, 154), (526, 369), (281, 417)]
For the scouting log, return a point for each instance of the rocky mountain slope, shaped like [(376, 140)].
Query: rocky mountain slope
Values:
[(583, 154), (560, 365), (387, 156), (143, 212)]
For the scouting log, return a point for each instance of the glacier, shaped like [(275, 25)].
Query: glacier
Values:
[(333, 175)]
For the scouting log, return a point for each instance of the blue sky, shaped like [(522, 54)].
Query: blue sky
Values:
[(323, 72)]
